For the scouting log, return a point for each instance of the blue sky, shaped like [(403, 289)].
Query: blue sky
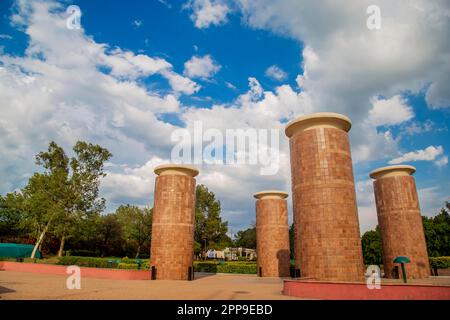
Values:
[(136, 72)]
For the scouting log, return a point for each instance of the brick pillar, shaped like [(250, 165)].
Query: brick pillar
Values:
[(172, 244), (327, 245), (400, 220), (272, 233)]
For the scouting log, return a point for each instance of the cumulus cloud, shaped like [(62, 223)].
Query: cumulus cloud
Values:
[(345, 64), (201, 67), (432, 199), (125, 184), (428, 154), (390, 111), (255, 109), (419, 128), (67, 87), (442, 161), (276, 73), (208, 12)]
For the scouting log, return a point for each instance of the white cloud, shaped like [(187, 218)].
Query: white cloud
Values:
[(442, 161), (180, 83), (428, 154), (201, 67), (230, 85), (123, 184), (208, 12), (137, 23), (390, 111), (5, 36), (125, 64), (276, 73), (165, 3), (56, 91), (432, 199), (345, 64), (419, 128)]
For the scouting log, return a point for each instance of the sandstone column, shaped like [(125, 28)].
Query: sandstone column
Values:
[(400, 220), (172, 244), (328, 245), (272, 233)]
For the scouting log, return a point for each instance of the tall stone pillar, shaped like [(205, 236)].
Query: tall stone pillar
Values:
[(328, 245), (272, 234), (172, 244), (400, 221)]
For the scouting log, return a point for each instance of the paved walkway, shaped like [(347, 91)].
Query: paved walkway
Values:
[(21, 285)]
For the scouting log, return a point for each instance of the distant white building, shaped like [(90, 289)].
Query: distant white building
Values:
[(231, 254)]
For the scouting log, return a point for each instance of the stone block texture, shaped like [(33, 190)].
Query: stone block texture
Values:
[(172, 242), (272, 237), (327, 239), (401, 226)]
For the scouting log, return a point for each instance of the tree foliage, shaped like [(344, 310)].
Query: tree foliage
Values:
[(66, 192), (371, 247), (136, 226), (437, 235), (209, 227), (246, 238)]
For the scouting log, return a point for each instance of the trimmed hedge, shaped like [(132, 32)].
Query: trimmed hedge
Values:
[(127, 266), (240, 267), (225, 267), (88, 262), (440, 262), (124, 263)]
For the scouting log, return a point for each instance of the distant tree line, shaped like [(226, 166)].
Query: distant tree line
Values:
[(60, 210), (437, 235), (247, 238)]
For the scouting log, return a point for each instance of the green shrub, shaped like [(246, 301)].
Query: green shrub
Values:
[(125, 263), (440, 262), (127, 266), (205, 267), (226, 267), (233, 267), (145, 265), (127, 260), (88, 262)]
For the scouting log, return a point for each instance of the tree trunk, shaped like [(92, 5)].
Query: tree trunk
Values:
[(39, 240), (138, 251), (61, 246)]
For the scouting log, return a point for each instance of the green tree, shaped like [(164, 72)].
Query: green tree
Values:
[(42, 205), (209, 226), (57, 199), (246, 238), (12, 216), (136, 226), (437, 233), (111, 235), (291, 241), (371, 247)]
